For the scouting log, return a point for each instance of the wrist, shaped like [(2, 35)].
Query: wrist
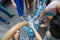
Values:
[(12, 3), (33, 28), (38, 20)]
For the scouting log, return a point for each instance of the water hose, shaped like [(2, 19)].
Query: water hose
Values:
[(11, 32)]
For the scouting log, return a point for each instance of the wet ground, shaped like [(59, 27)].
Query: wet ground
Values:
[(4, 28)]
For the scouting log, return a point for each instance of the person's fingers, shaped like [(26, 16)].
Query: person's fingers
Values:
[(31, 25), (14, 5)]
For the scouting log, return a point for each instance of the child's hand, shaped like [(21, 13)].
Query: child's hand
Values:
[(16, 35), (37, 22), (14, 5), (31, 25)]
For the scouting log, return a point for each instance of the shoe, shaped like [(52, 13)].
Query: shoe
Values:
[(11, 16), (4, 21), (22, 19), (43, 25)]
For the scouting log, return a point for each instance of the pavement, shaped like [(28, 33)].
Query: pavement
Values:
[(14, 21)]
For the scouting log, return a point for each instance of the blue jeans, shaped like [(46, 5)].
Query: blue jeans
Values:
[(4, 20), (5, 11), (20, 7)]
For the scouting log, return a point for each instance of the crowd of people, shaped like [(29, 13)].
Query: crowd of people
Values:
[(52, 12)]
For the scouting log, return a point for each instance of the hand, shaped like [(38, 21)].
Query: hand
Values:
[(16, 35), (31, 25), (37, 22), (28, 6), (14, 5)]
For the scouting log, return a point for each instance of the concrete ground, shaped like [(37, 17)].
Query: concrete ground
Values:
[(14, 21)]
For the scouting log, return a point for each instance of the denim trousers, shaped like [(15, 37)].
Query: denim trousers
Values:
[(4, 10), (4, 20)]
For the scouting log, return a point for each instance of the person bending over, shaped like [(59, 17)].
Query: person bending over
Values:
[(52, 9)]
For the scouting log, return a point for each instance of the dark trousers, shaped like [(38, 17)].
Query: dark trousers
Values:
[(20, 7), (4, 20), (5, 11)]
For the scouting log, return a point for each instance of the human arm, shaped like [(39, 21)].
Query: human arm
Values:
[(41, 15), (38, 37), (27, 3), (32, 3), (49, 8), (13, 3)]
